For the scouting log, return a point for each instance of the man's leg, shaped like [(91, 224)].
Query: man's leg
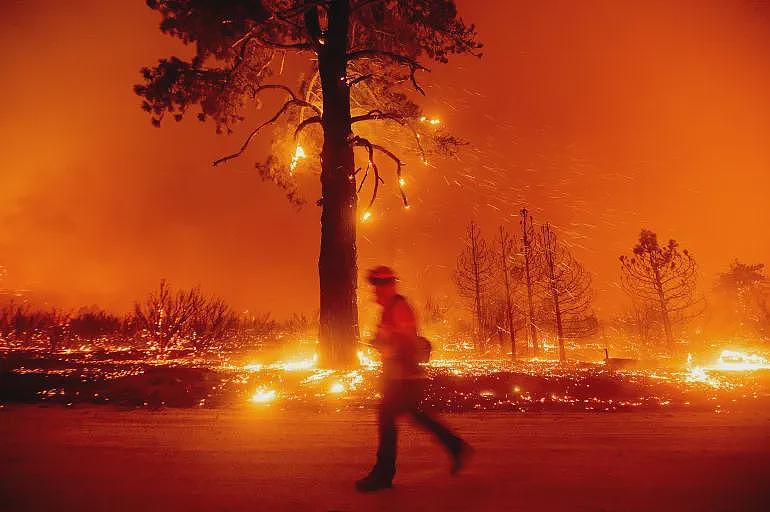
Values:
[(458, 449), (382, 473), (446, 437), (388, 434)]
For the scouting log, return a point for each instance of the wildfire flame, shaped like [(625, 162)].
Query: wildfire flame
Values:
[(365, 360), (263, 395), (732, 360), (299, 154), (302, 364)]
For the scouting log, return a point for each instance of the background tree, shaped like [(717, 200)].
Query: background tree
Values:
[(568, 288), (745, 291), (474, 276), (359, 58), (664, 278), (640, 323), (171, 318), (530, 273), (512, 272)]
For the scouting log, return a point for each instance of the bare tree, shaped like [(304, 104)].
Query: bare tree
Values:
[(641, 322), (359, 59), (527, 238), (213, 321), (569, 289), (474, 276), (664, 278), (512, 272)]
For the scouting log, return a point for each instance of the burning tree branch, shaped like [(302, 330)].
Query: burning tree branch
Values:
[(294, 101)]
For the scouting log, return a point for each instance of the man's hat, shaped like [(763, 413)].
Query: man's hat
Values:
[(381, 275)]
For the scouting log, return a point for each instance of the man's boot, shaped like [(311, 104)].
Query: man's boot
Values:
[(375, 481), (461, 455)]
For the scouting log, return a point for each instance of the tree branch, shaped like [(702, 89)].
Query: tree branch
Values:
[(401, 59), (294, 97), (360, 78), (360, 141), (374, 115), (284, 46), (291, 102), (305, 123)]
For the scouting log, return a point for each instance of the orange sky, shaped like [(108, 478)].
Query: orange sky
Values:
[(603, 117)]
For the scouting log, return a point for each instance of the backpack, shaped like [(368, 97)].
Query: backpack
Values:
[(423, 348)]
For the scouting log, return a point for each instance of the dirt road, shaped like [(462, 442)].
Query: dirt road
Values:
[(263, 459)]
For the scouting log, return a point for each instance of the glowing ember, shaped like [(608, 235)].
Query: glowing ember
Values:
[(365, 360), (366, 216), (698, 374), (337, 388), (253, 367), (263, 396), (303, 364)]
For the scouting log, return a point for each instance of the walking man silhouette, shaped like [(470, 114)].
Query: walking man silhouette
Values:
[(403, 383)]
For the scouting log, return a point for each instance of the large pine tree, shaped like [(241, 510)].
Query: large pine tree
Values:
[(361, 59)]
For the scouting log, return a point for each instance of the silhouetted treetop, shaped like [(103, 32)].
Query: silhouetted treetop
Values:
[(236, 41), (741, 275)]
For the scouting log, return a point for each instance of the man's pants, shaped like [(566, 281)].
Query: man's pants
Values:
[(400, 396)]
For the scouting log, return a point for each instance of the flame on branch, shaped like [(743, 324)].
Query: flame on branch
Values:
[(293, 101)]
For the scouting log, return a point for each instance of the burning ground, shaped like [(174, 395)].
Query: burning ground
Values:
[(126, 377)]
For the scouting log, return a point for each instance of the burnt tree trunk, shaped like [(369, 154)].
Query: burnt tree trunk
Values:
[(338, 322), (664, 310), (549, 258), (559, 326), (527, 243), (505, 250)]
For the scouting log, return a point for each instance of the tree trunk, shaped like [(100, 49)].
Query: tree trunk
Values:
[(664, 311), (549, 249), (504, 253), (337, 270), (476, 288), (559, 327), (527, 242)]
